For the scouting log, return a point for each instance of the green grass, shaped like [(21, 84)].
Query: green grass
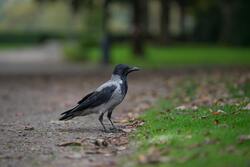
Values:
[(172, 56), (196, 137)]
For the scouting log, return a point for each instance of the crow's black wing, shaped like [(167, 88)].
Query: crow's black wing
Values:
[(87, 96), (97, 98), (91, 100)]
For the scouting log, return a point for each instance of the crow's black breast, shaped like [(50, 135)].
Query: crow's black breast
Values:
[(124, 87)]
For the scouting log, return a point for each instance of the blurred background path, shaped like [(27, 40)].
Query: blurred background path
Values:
[(43, 59)]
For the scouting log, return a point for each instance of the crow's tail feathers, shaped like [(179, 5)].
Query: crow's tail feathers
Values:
[(67, 115), (68, 111)]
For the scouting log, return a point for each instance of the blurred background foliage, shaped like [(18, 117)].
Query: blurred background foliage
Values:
[(88, 28)]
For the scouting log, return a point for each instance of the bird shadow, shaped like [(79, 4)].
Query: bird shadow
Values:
[(80, 130), (88, 130)]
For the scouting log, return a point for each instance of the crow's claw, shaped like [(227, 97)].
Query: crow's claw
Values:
[(106, 131), (115, 130)]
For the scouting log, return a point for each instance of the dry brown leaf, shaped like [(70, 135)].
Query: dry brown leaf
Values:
[(204, 117), (135, 124), (105, 152), (122, 121), (243, 138), (209, 141), (247, 107), (195, 145), (119, 141), (127, 130), (73, 143), (74, 156), (29, 128), (10, 157), (101, 143), (154, 156), (142, 159), (216, 122), (218, 112), (181, 107), (121, 148), (231, 149)]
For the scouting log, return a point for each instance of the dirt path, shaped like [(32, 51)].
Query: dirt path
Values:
[(30, 132)]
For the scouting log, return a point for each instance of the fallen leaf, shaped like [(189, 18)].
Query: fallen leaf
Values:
[(142, 159), (243, 138), (204, 117), (223, 125), (127, 130), (247, 107), (132, 116), (216, 122), (122, 121), (121, 148), (196, 145), (181, 107), (101, 143), (188, 137), (154, 156), (221, 111), (73, 143), (74, 156), (194, 107), (119, 141), (231, 149), (135, 124), (29, 128), (10, 157), (105, 152), (56, 122), (209, 141), (140, 123), (218, 112)]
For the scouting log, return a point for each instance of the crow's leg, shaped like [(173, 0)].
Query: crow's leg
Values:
[(115, 129), (109, 118), (101, 119)]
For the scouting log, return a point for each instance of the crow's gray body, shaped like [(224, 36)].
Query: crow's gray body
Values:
[(116, 96), (105, 98)]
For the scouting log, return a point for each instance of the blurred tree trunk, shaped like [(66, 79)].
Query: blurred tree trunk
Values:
[(106, 42), (165, 36), (182, 5), (76, 5), (139, 9), (227, 20)]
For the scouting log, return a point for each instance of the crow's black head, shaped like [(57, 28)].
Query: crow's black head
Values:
[(124, 70)]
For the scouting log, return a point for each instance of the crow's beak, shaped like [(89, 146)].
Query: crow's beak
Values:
[(133, 69)]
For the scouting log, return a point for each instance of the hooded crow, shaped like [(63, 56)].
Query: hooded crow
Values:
[(105, 98)]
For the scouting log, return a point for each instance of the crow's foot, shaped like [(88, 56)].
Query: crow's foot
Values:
[(115, 130), (106, 131)]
